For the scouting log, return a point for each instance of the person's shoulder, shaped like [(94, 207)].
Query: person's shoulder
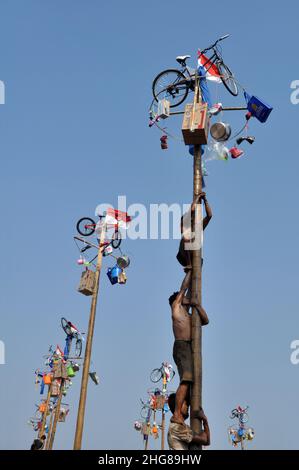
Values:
[(180, 432), (175, 306)]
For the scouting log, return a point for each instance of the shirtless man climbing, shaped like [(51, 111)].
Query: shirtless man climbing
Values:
[(182, 349), (184, 255)]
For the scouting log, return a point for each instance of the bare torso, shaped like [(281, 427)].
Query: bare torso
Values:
[(181, 322)]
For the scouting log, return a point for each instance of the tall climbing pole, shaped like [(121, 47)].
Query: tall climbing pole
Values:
[(56, 415), (163, 430), (45, 413), (196, 286), (88, 348), (50, 429)]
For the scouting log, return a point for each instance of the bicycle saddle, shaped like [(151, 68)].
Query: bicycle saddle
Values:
[(181, 59)]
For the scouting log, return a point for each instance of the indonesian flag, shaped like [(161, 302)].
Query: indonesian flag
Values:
[(212, 71), (117, 218)]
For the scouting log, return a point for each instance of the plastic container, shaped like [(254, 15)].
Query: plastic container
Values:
[(113, 274)]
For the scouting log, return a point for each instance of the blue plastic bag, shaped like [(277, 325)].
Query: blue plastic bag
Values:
[(258, 108), (113, 274)]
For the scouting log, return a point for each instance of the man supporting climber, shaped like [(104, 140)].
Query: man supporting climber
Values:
[(181, 319), (182, 348), (181, 436)]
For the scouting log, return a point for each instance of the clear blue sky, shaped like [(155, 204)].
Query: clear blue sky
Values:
[(73, 134)]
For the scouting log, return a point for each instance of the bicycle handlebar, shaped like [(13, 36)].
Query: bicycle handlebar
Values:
[(215, 43)]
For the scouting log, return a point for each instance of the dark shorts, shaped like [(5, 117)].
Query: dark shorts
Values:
[(182, 355), (184, 256)]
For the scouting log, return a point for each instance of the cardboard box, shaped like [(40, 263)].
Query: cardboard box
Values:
[(163, 109), (196, 123), (87, 282)]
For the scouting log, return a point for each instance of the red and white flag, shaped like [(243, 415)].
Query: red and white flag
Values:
[(119, 218), (59, 351), (212, 71)]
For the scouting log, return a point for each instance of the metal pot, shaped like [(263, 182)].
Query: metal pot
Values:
[(123, 261), (220, 131)]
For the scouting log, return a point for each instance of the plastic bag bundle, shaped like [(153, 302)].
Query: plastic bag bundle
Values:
[(216, 151)]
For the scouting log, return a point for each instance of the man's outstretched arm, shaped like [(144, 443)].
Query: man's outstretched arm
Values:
[(201, 312), (185, 285), (202, 197), (204, 437)]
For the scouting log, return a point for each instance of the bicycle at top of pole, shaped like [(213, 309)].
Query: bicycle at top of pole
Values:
[(87, 226), (174, 85)]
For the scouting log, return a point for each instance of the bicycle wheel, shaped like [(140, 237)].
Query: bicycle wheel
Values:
[(145, 411), (244, 418), (172, 85), (116, 239), (234, 413), (66, 327), (86, 226), (156, 375), (227, 78), (78, 348)]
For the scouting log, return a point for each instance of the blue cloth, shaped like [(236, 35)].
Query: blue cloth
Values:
[(205, 92), (191, 149)]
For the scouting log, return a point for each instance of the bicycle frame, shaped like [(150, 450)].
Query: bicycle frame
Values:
[(216, 57), (188, 69)]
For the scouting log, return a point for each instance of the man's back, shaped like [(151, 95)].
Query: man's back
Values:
[(179, 436), (181, 321)]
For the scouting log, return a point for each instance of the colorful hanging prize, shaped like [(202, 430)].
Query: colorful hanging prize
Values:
[(153, 118), (215, 109), (154, 431), (163, 109), (137, 426), (122, 277), (217, 151), (250, 139), (113, 274), (83, 262), (236, 153), (250, 434), (257, 108), (108, 250), (163, 140), (220, 131), (123, 261)]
